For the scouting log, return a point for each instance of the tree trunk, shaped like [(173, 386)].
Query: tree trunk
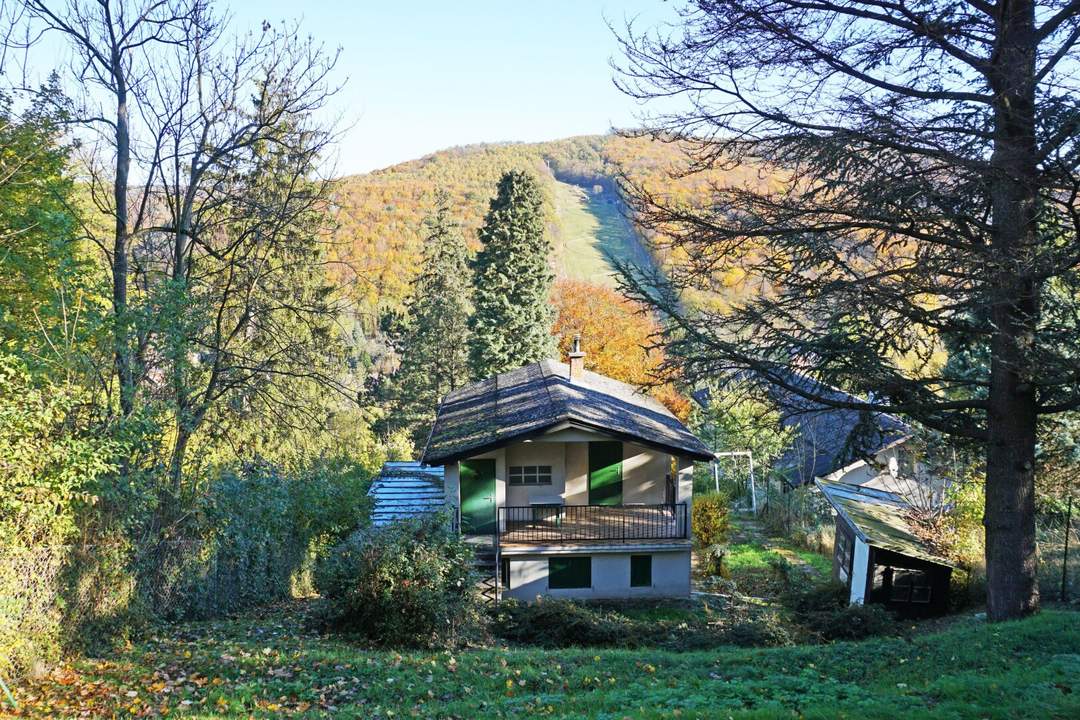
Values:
[(1009, 516), (120, 246), (179, 453)]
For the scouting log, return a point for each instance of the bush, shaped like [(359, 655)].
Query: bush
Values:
[(558, 623), (711, 523), (251, 537), (854, 622), (766, 630), (823, 608), (410, 583), (713, 561)]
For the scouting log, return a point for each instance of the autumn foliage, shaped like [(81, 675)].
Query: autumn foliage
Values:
[(616, 334)]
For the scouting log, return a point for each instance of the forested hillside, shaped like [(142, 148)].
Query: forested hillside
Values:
[(380, 214)]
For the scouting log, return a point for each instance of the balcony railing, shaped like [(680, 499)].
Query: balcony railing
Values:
[(542, 524)]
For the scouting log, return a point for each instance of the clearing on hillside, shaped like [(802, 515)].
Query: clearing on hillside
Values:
[(590, 232)]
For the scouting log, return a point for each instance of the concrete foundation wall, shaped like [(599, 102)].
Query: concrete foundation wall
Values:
[(610, 577)]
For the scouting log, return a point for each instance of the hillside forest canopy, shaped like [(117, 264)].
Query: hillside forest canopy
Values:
[(209, 344)]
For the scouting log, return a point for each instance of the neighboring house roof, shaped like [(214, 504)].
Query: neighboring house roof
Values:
[(826, 437), (879, 518), (404, 490), (539, 397)]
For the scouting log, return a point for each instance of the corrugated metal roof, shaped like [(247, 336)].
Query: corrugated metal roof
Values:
[(878, 517), (405, 490), (531, 399)]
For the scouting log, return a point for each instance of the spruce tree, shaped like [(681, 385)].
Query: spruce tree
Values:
[(512, 279), (434, 343)]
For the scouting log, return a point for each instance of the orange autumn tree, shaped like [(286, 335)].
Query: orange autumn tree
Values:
[(615, 333)]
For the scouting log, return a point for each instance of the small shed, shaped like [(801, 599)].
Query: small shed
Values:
[(405, 490), (879, 557)]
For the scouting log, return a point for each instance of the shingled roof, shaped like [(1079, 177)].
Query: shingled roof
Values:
[(827, 438), (879, 518), (539, 397), (824, 438)]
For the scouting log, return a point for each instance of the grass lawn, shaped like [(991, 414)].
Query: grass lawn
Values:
[(269, 666)]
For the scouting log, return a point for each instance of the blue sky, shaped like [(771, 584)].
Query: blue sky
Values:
[(426, 75)]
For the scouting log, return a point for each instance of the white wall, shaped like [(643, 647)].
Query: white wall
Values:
[(536, 453), (859, 567), (684, 491), (644, 473), (610, 577), (452, 487)]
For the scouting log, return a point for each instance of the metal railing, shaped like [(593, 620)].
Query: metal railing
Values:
[(587, 523)]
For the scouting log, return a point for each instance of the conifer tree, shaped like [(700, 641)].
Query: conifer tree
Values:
[(434, 343), (512, 279)]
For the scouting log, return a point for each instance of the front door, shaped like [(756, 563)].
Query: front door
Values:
[(477, 480), (605, 473)]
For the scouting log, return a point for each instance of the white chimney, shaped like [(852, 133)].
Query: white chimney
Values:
[(577, 359)]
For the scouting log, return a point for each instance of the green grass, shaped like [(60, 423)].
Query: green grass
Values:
[(748, 556), (270, 667), (589, 232)]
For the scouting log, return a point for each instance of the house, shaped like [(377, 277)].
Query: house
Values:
[(405, 490), (878, 556), (827, 438), (581, 484)]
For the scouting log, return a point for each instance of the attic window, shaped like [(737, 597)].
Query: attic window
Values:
[(530, 474)]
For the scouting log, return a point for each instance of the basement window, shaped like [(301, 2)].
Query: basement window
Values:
[(641, 571), (570, 573), (530, 474)]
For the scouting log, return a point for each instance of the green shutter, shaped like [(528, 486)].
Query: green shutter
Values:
[(605, 473), (641, 571), (569, 573)]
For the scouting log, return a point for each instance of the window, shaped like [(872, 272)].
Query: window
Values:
[(530, 474), (505, 573), (569, 573), (641, 571), (910, 586), (843, 555)]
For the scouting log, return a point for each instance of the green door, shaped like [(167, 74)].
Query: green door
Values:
[(478, 497), (605, 473)]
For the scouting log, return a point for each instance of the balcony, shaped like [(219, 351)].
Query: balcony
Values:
[(591, 524)]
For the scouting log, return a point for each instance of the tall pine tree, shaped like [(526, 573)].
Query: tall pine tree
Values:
[(434, 345), (513, 319)]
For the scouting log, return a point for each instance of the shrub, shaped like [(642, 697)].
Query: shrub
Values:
[(765, 630), (823, 608), (711, 522), (854, 622), (558, 623), (713, 561), (409, 583)]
